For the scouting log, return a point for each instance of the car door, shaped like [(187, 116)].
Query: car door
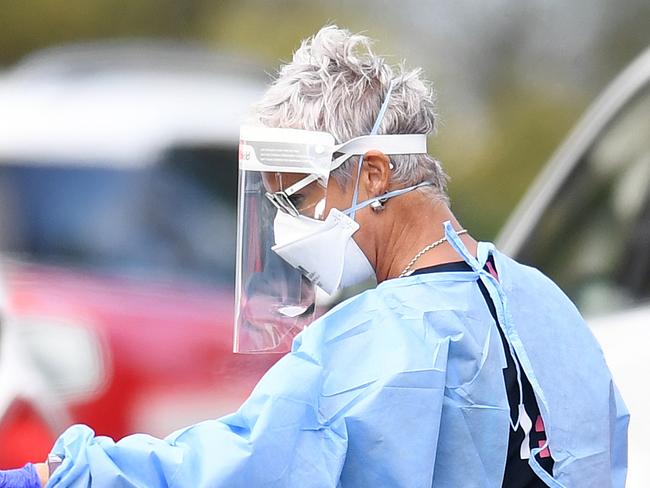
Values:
[(586, 223)]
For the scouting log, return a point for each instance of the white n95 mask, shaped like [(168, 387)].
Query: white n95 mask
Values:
[(323, 250)]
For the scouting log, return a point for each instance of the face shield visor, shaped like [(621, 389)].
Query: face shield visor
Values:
[(283, 181), (280, 170)]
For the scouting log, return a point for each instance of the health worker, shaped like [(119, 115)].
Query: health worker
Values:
[(461, 368)]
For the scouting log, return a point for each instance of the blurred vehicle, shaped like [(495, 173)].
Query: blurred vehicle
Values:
[(586, 223), (118, 185)]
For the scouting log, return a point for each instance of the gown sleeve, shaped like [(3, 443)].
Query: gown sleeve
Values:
[(277, 438), (618, 435)]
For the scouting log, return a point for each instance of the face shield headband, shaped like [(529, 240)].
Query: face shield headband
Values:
[(320, 162)]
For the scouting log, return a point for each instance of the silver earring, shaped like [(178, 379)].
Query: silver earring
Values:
[(377, 206)]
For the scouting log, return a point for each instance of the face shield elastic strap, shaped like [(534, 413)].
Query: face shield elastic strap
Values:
[(375, 129)]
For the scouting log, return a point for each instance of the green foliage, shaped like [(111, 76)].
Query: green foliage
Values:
[(524, 127), (29, 25), (263, 30)]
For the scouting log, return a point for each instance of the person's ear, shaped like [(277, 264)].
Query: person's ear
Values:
[(375, 174)]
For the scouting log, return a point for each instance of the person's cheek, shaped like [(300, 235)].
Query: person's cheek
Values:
[(337, 197)]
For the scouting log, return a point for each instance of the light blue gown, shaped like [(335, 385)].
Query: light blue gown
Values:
[(400, 386)]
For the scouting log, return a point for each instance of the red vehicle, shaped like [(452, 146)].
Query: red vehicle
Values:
[(117, 231)]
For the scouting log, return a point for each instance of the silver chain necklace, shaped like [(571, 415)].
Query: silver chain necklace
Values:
[(407, 270)]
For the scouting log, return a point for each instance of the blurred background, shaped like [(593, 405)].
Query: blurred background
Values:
[(118, 135), (512, 77)]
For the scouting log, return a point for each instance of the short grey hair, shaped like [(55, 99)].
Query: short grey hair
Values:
[(336, 84)]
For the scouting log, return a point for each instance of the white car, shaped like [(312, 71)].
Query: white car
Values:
[(586, 223)]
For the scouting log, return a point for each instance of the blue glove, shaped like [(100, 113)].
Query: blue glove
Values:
[(25, 477)]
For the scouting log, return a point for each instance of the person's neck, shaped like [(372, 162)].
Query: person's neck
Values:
[(418, 221)]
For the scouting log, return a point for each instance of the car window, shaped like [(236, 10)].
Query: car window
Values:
[(172, 219), (594, 238)]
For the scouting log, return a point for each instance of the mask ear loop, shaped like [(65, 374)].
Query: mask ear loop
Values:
[(385, 197), (375, 129)]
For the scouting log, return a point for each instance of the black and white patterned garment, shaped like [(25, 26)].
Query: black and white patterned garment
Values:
[(518, 474)]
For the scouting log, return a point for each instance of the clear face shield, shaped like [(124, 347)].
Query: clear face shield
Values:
[(283, 181), (281, 171)]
